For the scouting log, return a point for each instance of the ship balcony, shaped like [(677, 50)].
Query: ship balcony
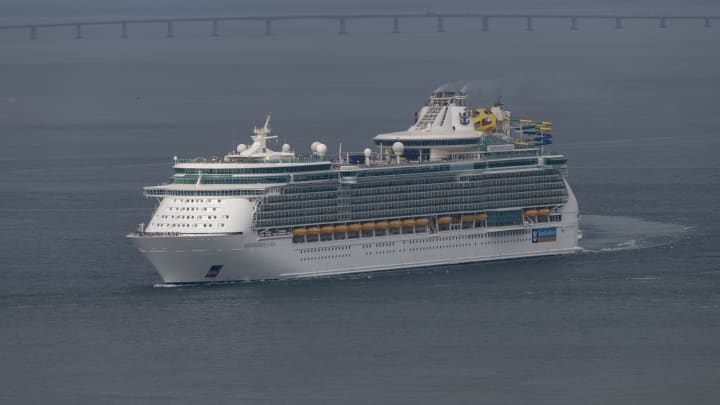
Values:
[(348, 180)]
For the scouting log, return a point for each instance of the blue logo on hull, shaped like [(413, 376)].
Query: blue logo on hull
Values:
[(541, 235)]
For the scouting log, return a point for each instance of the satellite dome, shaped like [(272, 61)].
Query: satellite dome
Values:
[(321, 149), (367, 152), (398, 148), (241, 147), (313, 146), (286, 148)]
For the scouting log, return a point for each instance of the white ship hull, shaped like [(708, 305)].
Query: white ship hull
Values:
[(451, 189), (225, 258)]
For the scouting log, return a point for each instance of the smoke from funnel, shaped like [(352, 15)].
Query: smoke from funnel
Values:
[(483, 90)]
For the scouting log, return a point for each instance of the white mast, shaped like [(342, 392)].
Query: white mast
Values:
[(260, 138)]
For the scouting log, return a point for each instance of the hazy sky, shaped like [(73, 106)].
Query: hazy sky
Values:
[(67, 8)]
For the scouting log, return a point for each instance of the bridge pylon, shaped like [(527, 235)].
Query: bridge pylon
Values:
[(343, 27)]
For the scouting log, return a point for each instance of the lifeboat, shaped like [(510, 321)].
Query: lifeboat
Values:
[(531, 213), (468, 218), (444, 220), (313, 230), (481, 217), (395, 224), (543, 212), (408, 223), (382, 225), (354, 227), (368, 226), (327, 229), (421, 222), (341, 228), (299, 232)]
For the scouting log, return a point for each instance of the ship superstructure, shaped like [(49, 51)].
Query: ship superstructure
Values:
[(460, 185)]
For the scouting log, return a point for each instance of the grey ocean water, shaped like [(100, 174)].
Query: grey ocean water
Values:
[(85, 124)]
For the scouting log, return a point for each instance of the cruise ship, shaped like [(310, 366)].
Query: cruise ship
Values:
[(461, 185)]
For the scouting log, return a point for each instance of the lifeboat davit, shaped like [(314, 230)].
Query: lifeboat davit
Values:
[(543, 212), (313, 230), (421, 222), (382, 225), (395, 224), (531, 213), (354, 227), (444, 220), (481, 217), (327, 229), (341, 228), (299, 232), (368, 226), (408, 223)]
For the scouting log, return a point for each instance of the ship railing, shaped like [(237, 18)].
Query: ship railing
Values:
[(161, 193), (429, 209), (215, 159), (479, 156), (415, 193), (468, 156), (272, 210), (138, 234)]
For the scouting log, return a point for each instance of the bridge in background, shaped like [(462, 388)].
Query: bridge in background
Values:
[(573, 21)]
